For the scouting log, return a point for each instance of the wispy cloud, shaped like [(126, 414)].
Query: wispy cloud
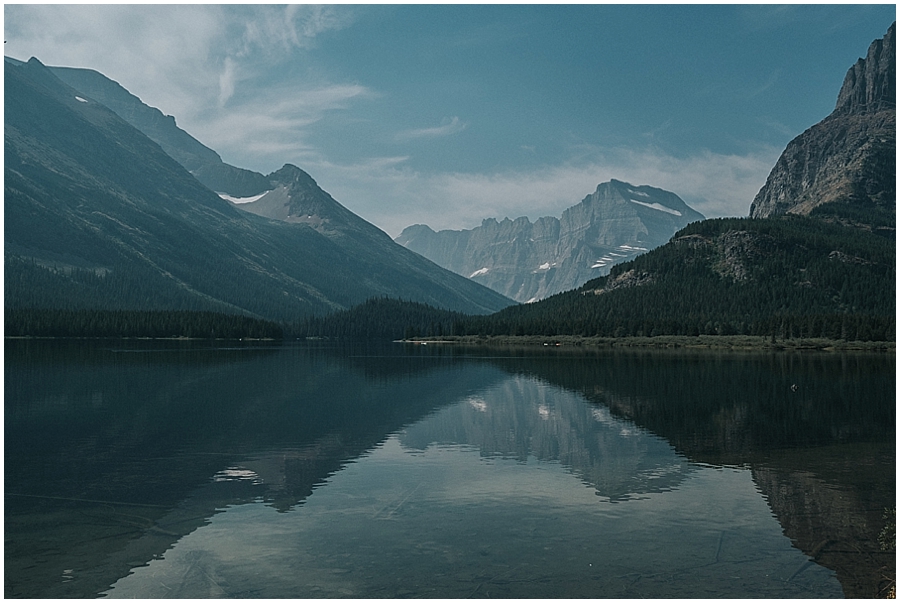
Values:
[(204, 64), (450, 126), (273, 131), (714, 184), (201, 63)]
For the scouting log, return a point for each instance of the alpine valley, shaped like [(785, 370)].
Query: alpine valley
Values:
[(109, 205), (815, 259), (102, 213)]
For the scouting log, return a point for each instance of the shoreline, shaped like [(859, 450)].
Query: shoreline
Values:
[(719, 342)]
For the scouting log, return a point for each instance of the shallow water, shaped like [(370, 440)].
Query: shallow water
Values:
[(177, 470)]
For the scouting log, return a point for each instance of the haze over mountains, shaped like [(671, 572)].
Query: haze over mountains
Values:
[(98, 215), (529, 261), (817, 257), (843, 166)]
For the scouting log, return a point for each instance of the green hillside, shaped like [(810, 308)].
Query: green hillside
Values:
[(783, 277)]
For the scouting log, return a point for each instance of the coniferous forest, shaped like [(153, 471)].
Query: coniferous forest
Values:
[(785, 278), (789, 277), (46, 322)]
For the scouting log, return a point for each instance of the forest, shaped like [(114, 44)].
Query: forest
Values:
[(47, 322), (783, 278), (788, 277)]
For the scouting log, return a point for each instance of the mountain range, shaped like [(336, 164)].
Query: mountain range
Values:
[(120, 209), (816, 257), (100, 214), (529, 261)]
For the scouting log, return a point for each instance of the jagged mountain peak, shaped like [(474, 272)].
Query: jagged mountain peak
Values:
[(528, 261), (871, 84), (844, 166), (290, 174), (644, 196)]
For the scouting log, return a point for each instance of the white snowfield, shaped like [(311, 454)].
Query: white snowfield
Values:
[(228, 197), (477, 272), (657, 206), (609, 257)]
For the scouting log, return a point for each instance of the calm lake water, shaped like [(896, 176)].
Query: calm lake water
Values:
[(164, 469)]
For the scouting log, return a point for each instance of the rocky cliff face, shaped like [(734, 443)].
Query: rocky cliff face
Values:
[(529, 261), (850, 156)]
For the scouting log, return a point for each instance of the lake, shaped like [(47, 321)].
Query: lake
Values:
[(186, 469)]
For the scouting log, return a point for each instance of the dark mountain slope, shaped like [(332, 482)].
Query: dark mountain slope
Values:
[(205, 164), (849, 158), (529, 261), (99, 216)]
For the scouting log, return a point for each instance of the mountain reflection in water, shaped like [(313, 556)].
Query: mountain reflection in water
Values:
[(118, 459)]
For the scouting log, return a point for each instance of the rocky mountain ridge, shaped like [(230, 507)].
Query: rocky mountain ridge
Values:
[(530, 261), (98, 216), (848, 158)]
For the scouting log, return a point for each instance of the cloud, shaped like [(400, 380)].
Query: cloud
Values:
[(211, 66), (272, 127), (452, 126), (393, 196), (226, 82), (187, 60)]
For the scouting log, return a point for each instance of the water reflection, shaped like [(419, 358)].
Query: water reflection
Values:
[(521, 418), (816, 429), (109, 450), (174, 458)]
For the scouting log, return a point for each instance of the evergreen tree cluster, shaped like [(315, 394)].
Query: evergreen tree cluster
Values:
[(47, 322), (382, 318), (797, 277)]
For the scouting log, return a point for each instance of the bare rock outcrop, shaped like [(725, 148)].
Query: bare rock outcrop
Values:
[(528, 260), (850, 156)]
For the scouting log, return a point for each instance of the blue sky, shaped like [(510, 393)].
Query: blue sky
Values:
[(446, 115)]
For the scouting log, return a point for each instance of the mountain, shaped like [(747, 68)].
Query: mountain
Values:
[(288, 194), (202, 162), (795, 276), (97, 215), (817, 257), (845, 164), (529, 261)]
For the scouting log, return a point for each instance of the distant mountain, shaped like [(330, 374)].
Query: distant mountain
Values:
[(844, 166), (529, 261), (817, 257), (97, 215), (291, 195), (785, 277)]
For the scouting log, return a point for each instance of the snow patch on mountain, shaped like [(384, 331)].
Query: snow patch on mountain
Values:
[(657, 206), (228, 197)]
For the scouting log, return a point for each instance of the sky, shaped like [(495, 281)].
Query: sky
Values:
[(448, 115)]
